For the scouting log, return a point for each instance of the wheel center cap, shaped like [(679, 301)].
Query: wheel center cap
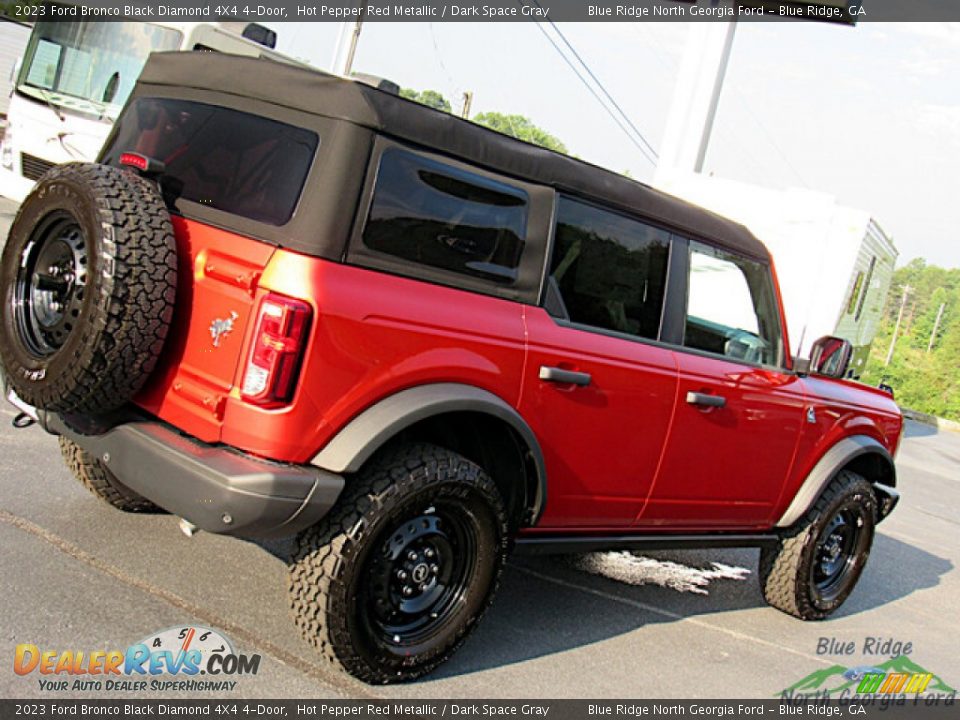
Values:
[(420, 572)]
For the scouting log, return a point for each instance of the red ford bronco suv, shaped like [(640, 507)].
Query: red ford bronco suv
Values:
[(289, 304)]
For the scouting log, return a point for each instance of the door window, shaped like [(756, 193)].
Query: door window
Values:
[(609, 270), (731, 307)]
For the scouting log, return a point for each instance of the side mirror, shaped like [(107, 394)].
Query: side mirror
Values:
[(830, 357)]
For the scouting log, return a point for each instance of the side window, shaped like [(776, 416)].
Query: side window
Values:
[(434, 214), (731, 307), (610, 270), (855, 293), (866, 288)]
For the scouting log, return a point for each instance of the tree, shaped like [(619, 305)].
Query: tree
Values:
[(520, 127), (430, 98)]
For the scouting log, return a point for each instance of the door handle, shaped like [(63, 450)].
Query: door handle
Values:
[(695, 398), (564, 377)]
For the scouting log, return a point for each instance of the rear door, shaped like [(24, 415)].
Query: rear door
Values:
[(599, 390), (739, 414)]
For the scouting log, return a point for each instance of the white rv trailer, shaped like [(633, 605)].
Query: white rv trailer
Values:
[(835, 264), (75, 77), (13, 39)]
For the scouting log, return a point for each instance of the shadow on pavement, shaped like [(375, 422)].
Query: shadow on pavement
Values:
[(916, 429)]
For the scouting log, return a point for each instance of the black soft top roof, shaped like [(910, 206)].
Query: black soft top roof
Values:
[(315, 92)]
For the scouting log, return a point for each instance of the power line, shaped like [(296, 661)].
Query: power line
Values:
[(641, 148), (601, 86)]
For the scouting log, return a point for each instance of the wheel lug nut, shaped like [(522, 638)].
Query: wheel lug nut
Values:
[(407, 591), (423, 586), (435, 569), (412, 556), (401, 574), (429, 552)]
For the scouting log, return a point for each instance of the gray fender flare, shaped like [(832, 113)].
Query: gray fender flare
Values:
[(357, 441), (834, 459)]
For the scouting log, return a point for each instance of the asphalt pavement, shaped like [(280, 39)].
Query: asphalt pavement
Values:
[(77, 574)]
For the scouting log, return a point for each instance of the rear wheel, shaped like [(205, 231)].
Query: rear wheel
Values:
[(817, 563), (391, 583), (96, 478)]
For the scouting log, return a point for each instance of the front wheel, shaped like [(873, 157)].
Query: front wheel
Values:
[(390, 584), (817, 563)]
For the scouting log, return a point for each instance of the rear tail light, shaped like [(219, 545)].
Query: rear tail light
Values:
[(276, 353)]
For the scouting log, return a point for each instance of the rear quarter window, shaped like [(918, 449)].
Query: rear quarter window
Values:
[(432, 214), (225, 159)]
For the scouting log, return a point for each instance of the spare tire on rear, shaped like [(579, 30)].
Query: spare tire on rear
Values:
[(88, 285)]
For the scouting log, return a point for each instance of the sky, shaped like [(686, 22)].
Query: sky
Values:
[(868, 114)]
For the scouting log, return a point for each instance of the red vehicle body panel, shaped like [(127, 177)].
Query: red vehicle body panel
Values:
[(626, 452)]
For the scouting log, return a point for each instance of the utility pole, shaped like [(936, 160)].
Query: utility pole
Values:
[(346, 48), (936, 326), (896, 329), (467, 102)]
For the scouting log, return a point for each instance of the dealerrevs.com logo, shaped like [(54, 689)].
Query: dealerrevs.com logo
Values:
[(170, 660)]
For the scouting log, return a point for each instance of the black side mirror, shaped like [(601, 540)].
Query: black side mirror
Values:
[(830, 357)]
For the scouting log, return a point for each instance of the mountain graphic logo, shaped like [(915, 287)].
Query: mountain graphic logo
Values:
[(897, 673)]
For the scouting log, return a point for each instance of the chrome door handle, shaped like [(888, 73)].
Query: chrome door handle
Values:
[(564, 377), (695, 398)]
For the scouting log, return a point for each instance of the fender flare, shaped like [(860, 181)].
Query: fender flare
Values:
[(823, 472), (359, 439)]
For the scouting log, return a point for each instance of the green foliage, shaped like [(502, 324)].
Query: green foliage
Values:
[(516, 126), (924, 381), (430, 98), (520, 127)]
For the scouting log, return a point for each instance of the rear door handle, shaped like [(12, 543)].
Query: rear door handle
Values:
[(564, 377), (695, 398)]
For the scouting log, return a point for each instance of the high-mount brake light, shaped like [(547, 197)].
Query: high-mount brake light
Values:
[(277, 350)]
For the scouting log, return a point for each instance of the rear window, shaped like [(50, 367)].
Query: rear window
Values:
[(434, 214), (224, 159)]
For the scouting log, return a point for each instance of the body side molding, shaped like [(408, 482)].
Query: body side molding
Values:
[(835, 458), (359, 439)]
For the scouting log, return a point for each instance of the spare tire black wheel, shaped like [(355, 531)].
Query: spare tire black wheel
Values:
[(88, 285)]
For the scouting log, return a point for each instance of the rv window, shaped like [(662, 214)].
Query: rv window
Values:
[(855, 293), (227, 160), (731, 308), (866, 287), (610, 269), (431, 213)]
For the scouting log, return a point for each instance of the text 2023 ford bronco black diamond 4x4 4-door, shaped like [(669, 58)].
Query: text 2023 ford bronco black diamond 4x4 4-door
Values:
[(289, 304)]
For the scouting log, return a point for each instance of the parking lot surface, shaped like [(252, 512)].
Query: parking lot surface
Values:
[(80, 575)]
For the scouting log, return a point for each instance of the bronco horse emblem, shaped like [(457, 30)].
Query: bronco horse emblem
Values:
[(219, 328)]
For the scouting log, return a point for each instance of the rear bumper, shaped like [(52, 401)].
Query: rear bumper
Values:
[(215, 488)]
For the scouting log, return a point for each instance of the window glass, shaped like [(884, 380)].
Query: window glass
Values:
[(434, 214), (232, 161), (90, 67), (731, 308), (855, 293), (610, 269), (866, 289)]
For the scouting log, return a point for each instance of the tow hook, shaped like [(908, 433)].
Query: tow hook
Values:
[(23, 421), (188, 528)]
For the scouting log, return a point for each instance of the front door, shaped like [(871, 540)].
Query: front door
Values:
[(739, 415)]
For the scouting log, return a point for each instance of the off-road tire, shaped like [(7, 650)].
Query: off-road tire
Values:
[(96, 478), (330, 561), (119, 303), (786, 569)]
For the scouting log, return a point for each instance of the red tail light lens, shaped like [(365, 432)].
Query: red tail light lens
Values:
[(276, 353)]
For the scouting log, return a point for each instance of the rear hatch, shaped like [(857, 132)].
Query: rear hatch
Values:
[(234, 170)]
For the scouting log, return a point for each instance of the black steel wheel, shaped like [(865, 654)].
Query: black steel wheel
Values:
[(817, 563), (390, 584), (49, 285)]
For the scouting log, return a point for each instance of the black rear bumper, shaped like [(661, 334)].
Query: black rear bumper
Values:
[(216, 488)]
